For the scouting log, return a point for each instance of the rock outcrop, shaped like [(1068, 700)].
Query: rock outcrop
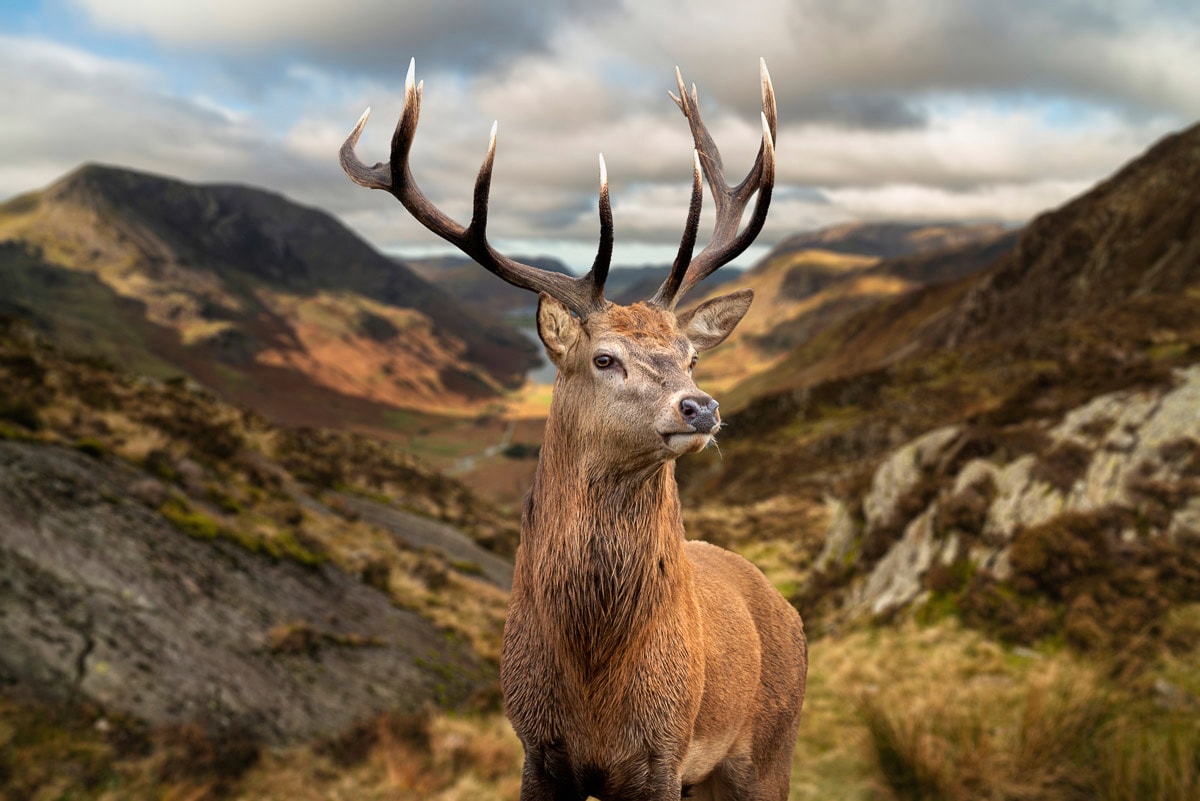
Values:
[(1133, 456), (103, 599)]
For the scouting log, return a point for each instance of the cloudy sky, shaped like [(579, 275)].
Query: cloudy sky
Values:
[(889, 109)]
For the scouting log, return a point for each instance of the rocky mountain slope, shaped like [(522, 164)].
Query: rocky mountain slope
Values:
[(103, 598), (1017, 447), (810, 282), (177, 560), (1136, 234), (887, 240), (269, 303), (1093, 532)]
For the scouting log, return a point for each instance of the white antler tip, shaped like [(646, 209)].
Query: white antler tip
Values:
[(358, 126), (603, 170), (495, 127), (412, 71), (766, 77)]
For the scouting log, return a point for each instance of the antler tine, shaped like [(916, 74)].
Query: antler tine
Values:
[(599, 272), (583, 296), (666, 292), (726, 243)]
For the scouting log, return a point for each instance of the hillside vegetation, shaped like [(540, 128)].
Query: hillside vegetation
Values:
[(179, 561), (809, 283), (271, 304)]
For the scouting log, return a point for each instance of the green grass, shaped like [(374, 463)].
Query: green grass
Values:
[(282, 545)]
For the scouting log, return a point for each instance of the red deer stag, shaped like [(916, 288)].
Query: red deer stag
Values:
[(636, 665)]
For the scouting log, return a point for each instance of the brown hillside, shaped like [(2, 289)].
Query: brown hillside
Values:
[(1136, 234), (887, 240), (250, 293), (1134, 237), (193, 564), (801, 292)]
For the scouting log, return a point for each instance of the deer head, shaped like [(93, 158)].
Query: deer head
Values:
[(624, 372), (624, 382)]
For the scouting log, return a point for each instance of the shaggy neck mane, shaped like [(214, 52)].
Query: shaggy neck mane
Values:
[(603, 549)]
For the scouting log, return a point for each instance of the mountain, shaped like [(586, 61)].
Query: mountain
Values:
[(1130, 239), (887, 240), (984, 504), (476, 287), (1137, 234), (176, 561), (1015, 447), (630, 284), (811, 281), (269, 303)]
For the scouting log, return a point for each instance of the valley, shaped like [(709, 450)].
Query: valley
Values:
[(969, 455)]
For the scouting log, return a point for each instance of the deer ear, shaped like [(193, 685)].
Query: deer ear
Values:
[(557, 328), (708, 324)]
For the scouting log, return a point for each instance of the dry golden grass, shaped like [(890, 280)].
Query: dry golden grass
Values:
[(1033, 741), (897, 713), (968, 720), (435, 757)]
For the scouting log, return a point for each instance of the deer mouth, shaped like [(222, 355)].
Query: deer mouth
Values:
[(685, 441)]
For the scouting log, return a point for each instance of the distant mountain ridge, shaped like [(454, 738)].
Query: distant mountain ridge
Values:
[(888, 240), (814, 280), (475, 286), (252, 294)]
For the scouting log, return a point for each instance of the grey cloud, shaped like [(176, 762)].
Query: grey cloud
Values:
[(870, 110), (879, 62), (854, 82), (1132, 55), (69, 109), (372, 36)]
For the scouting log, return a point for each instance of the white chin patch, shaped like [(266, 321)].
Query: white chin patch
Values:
[(688, 443)]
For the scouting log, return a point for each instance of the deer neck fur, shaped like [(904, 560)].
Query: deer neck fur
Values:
[(601, 550)]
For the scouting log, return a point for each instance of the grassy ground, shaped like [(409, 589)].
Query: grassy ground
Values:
[(907, 712)]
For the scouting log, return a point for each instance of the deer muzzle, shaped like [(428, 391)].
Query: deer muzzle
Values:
[(699, 412)]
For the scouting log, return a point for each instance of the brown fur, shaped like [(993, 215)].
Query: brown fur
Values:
[(641, 322), (635, 664)]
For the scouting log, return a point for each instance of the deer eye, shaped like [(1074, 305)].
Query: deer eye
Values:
[(692, 363), (604, 361)]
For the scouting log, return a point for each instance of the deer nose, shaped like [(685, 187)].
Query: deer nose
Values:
[(700, 412)]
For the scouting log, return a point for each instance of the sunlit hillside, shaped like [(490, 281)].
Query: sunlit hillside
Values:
[(272, 304), (809, 283)]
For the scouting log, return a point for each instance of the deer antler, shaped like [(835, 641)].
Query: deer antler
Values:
[(581, 295), (726, 244)]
